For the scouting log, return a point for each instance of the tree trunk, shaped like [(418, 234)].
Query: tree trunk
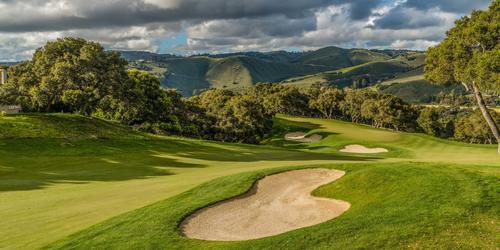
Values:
[(487, 116)]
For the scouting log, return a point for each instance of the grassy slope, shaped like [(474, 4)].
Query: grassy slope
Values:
[(234, 72), (375, 68), (241, 71), (319, 78), (412, 87), (340, 58), (57, 186), (419, 91), (187, 74), (229, 73)]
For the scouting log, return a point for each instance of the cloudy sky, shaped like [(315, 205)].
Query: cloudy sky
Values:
[(196, 26)]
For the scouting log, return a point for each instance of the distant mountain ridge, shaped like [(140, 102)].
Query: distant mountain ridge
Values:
[(193, 74)]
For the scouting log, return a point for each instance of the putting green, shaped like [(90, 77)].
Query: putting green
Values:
[(60, 174)]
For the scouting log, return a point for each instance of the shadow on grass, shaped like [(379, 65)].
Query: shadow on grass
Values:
[(27, 164)]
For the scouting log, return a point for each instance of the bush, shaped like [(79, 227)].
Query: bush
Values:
[(471, 127), (439, 122)]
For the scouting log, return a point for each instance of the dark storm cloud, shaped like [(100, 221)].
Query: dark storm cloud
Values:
[(414, 14), (36, 15), (273, 26), (361, 9), (455, 6), (407, 18), (89, 14)]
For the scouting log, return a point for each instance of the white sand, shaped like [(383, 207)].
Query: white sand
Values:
[(276, 204), (360, 149), (301, 137)]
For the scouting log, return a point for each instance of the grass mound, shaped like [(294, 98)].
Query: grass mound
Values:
[(67, 126)]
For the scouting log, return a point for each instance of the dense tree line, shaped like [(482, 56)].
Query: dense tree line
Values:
[(465, 125), (359, 106), (77, 76)]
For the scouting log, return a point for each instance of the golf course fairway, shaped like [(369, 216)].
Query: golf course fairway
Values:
[(67, 181)]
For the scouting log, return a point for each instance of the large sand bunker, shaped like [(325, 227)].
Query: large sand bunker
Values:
[(360, 149), (276, 204), (301, 137)]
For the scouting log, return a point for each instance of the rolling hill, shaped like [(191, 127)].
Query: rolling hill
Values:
[(358, 76), (340, 58), (413, 88)]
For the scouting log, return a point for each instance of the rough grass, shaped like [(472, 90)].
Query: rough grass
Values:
[(60, 174)]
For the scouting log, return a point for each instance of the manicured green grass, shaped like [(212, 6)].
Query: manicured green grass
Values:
[(402, 146), (60, 174), (398, 205)]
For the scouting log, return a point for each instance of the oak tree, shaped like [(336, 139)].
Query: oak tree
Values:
[(470, 55)]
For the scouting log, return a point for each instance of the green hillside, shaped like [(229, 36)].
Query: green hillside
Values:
[(419, 91), (359, 76), (413, 88), (186, 74), (340, 58), (243, 71), (80, 173)]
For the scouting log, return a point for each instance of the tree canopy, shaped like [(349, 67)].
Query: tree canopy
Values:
[(470, 53), (70, 75)]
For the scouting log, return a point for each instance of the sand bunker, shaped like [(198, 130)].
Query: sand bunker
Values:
[(362, 149), (301, 137), (276, 204)]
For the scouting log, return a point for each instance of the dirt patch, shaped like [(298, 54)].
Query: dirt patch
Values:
[(360, 149), (276, 204), (301, 137)]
